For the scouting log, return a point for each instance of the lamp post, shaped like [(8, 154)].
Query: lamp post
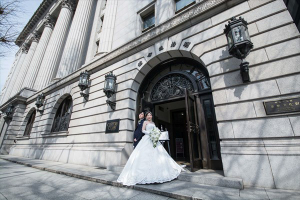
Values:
[(84, 83), (8, 112), (110, 88), (239, 43), (40, 102)]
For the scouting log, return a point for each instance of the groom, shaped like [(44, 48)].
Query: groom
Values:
[(138, 134)]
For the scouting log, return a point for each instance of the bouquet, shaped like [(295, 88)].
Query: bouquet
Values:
[(154, 136)]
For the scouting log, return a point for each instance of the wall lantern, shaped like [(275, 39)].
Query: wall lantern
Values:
[(239, 43), (40, 102), (84, 79), (9, 112), (110, 88)]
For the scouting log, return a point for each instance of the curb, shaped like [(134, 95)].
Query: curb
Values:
[(112, 183)]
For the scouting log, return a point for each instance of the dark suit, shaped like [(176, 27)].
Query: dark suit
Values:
[(138, 134)]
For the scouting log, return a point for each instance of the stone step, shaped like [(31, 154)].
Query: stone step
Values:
[(213, 179), (204, 177), (115, 168)]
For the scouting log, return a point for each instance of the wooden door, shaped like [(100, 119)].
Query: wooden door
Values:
[(193, 131)]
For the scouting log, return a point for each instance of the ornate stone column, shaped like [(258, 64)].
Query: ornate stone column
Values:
[(10, 76), (39, 54), (10, 87), (49, 25), (26, 63), (56, 44), (75, 49), (107, 32)]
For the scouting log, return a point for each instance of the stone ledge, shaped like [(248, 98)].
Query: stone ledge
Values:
[(55, 134), (22, 137)]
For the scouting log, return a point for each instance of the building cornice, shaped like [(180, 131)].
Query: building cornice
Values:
[(20, 97), (37, 16)]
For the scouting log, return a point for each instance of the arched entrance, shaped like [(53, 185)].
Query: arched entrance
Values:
[(178, 93)]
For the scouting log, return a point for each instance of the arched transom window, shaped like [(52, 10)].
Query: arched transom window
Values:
[(30, 124), (177, 77), (63, 115), (170, 86)]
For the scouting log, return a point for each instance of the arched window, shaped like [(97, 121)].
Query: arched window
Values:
[(29, 124), (63, 115)]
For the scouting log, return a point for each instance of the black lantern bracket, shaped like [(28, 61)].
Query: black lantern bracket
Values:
[(239, 43), (110, 89), (112, 104), (40, 100), (83, 84), (84, 95)]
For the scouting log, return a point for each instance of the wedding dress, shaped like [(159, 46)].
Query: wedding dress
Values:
[(147, 164)]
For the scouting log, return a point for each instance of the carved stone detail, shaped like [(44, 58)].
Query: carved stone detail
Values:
[(149, 54), (25, 47), (36, 36), (70, 4), (186, 44), (49, 21), (140, 63), (173, 44), (161, 48)]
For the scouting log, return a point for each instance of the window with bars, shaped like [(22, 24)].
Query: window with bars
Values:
[(63, 115), (29, 124)]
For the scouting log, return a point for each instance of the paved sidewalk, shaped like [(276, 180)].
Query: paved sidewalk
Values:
[(175, 189), (19, 182)]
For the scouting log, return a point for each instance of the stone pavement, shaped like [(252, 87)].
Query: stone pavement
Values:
[(26, 183), (177, 189)]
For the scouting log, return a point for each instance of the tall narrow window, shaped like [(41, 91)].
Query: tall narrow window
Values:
[(182, 4), (29, 124), (149, 21), (63, 115)]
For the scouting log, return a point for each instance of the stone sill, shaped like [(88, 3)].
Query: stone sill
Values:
[(55, 134), (22, 137)]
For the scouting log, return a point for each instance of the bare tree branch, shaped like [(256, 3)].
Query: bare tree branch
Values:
[(9, 10)]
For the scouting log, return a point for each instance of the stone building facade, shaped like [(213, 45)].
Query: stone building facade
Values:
[(169, 56)]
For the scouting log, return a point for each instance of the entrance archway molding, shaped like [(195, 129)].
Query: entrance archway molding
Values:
[(146, 64)]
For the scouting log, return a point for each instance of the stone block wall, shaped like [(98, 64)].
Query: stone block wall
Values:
[(261, 149)]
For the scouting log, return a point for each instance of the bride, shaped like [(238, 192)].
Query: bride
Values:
[(147, 164)]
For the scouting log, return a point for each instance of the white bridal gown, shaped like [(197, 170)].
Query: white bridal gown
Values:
[(147, 164)]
